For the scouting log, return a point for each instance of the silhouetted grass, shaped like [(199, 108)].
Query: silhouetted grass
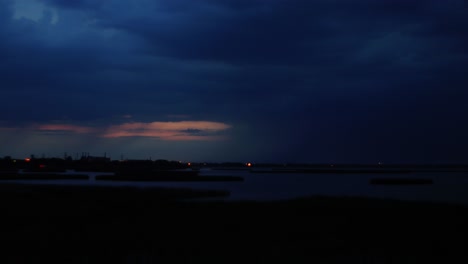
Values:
[(45, 170), (8, 170), (42, 176), (167, 178), (130, 225)]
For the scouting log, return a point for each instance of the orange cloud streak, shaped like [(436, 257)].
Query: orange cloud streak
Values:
[(169, 130), (173, 131)]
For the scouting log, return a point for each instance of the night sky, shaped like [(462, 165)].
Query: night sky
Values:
[(236, 80)]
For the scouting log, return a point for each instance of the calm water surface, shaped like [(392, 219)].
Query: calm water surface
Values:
[(451, 187)]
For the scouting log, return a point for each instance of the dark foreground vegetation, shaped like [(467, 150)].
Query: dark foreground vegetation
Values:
[(42, 176), (167, 177), (127, 225)]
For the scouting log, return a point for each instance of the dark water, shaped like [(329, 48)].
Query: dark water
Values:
[(450, 187)]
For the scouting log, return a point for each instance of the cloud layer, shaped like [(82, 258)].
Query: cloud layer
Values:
[(301, 80), (180, 130)]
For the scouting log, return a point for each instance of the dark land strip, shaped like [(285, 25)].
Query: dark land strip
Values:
[(132, 225), (42, 176), (167, 178)]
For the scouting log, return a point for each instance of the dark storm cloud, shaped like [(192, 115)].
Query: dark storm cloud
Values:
[(258, 32), (272, 32), (295, 78), (75, 4)]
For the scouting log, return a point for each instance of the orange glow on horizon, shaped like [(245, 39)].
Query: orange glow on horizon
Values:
[(27, 159), (169, 130)]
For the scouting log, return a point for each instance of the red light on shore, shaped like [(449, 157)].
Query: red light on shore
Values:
[(27, 159), (189, 164), (249, 164)]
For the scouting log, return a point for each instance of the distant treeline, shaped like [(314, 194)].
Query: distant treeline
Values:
[(105, 164), (87, 163)]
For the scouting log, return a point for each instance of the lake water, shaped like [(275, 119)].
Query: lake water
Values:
[(450, 187)]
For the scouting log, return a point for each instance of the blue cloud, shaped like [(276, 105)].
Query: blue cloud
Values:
[(332, 76)]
